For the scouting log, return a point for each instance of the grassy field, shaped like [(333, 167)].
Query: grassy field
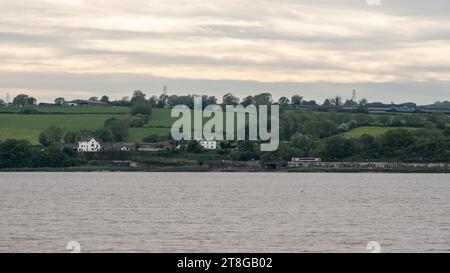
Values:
[(372, 130), (161, 117), (85, 110), (91, 118), (72, 110), (159, 124), (29, 126)]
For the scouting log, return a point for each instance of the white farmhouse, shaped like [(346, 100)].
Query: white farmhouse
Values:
[(89, 145), (209, 144)]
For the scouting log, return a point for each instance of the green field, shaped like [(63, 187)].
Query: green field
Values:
[(372, 130), (30, 126), (72, 110), (159, 124), (161, 117), (85, 110), (78, 118)]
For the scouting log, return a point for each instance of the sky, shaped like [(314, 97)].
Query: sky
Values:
[(397, 51)]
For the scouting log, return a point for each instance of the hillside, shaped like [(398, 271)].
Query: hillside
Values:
[(371, 130), (28, 127)]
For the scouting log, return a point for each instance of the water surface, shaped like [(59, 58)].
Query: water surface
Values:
[(224, 212)]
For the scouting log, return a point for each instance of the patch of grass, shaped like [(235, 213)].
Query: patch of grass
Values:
[(84, 110), (161, 117), (372, 130), (137, 134), (29, 126), (32, 135), (72, 110)]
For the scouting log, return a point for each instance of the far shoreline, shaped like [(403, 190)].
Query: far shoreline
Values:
[(97, 169)]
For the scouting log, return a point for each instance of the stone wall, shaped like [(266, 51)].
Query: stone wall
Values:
[(371, 165)]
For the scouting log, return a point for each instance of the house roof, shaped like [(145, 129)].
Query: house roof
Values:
[(153, 145), (89, 102), (128, 145), (87, 139)]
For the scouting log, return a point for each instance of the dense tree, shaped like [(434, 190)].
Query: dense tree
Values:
[(93, 98), (105, 99), (337, 147), (141, 106), (336, 101), (319, 127), (230, 99), (23, 99), (15, 153), (51, 157), (181, 100), (71, 137), (28, 110), (60, 101), (297, 99), (249, 100), (368, 147), (311, 103), (362, 106), (394, 141), (52, 136), (138, 95), (304, 144), (104, 134), (385, 120), (119, 129), (447, 132), (263, 99), (327, 102), (162, 100), (153, 100), (283, 101), (137, 122), (124, 101), (209, 100), (193, 147)]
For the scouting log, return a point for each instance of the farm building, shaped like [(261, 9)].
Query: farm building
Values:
[(89, 145), (86, 103), (209, 144), (154, 147), (124, 147)]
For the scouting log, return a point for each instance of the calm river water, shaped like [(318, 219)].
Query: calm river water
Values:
[(224, 212)]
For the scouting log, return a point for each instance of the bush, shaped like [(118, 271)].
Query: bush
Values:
[(137, 122), (151, 138), (52, 136), (71, 137), (194, 147), (141, 106), (27, 110)]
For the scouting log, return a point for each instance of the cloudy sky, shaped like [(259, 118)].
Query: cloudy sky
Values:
[(398, 51)]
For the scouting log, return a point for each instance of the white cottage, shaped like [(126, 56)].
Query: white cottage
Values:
[(209, 144), (89, 145)]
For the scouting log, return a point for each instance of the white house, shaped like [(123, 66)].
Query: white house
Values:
[(89, 145), (209, 144)]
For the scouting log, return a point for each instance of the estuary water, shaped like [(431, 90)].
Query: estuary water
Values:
[(224, 212)]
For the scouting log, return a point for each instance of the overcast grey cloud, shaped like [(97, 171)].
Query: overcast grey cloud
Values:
[(399, 51)]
